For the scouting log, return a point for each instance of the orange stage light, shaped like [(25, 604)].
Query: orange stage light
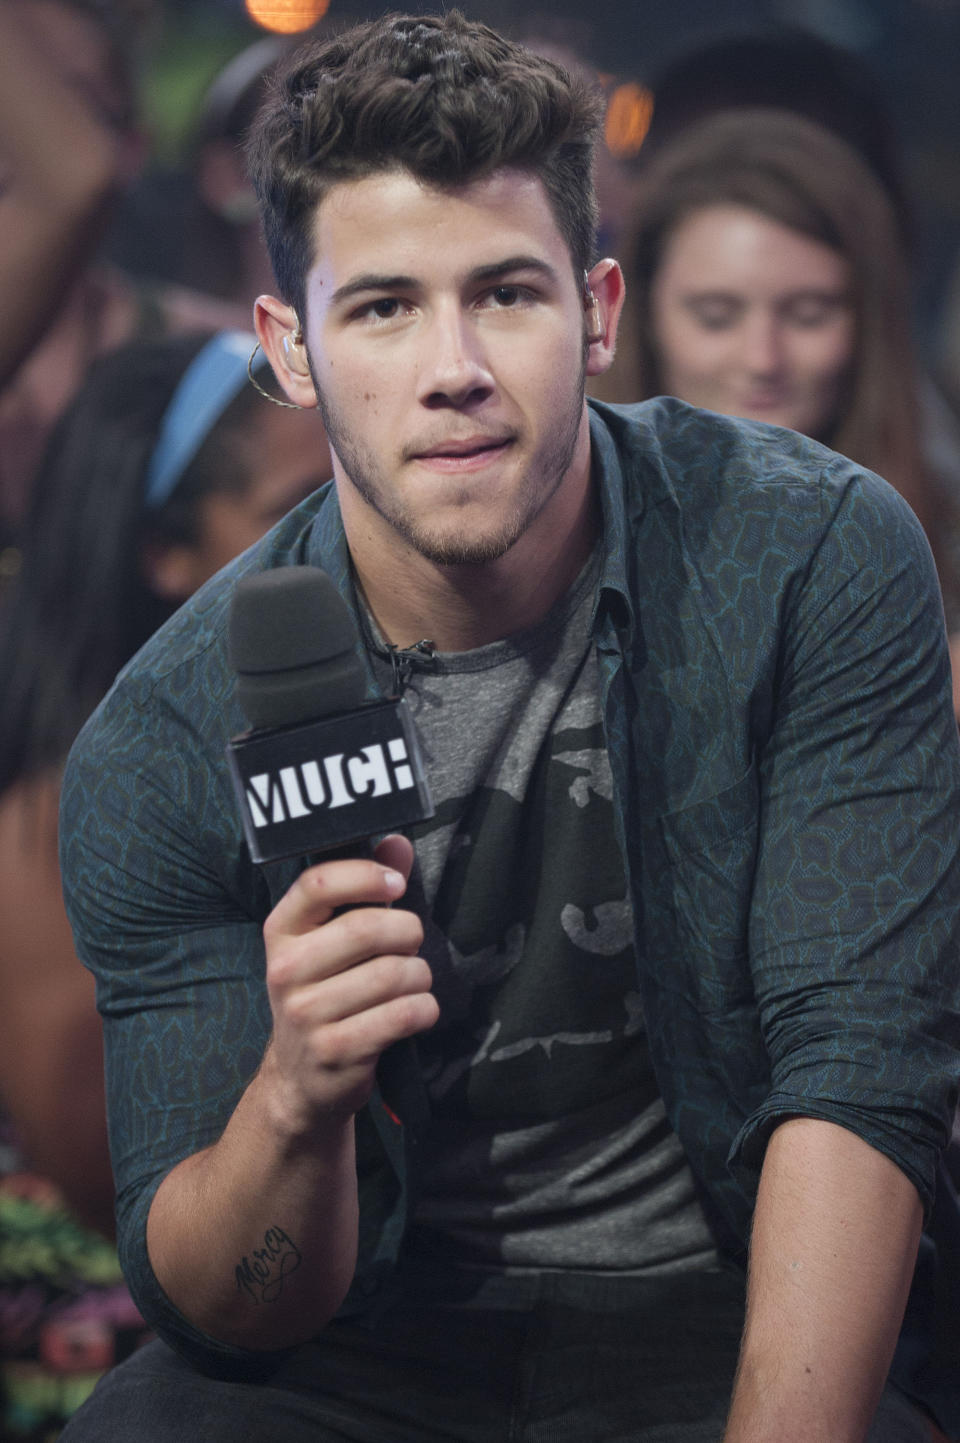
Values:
[(287, 17), (629, 112)]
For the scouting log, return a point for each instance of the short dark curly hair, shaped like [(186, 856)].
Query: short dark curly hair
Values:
[(443, 97)]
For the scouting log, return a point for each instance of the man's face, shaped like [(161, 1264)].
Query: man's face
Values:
[(446, 337)]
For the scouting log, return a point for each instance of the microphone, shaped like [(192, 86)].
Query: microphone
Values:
[(320, 768)]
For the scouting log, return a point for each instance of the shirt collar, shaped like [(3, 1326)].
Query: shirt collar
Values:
[(327, 546), (614, 597)]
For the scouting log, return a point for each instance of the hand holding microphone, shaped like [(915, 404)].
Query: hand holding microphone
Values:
[(322, 769)]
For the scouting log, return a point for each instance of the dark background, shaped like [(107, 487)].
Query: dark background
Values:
[(913, 47)]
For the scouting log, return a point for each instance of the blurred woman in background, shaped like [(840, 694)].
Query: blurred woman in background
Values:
[(766, 279), (164, 467)]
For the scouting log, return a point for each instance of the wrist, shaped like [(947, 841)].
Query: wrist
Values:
[(294, 1122)]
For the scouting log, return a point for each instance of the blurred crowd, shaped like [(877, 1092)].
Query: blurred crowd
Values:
[(766, 238)]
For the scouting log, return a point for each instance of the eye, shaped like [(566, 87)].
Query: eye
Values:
[(381, 310), (504, 297), (809, 312), (715, 313)]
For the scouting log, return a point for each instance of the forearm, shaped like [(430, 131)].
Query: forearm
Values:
[(255, 1238), (834, 1242)]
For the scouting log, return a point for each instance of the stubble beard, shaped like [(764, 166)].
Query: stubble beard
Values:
[(540, 483)]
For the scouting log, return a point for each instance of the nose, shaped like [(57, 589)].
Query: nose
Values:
[(763, 352), (454, 369)]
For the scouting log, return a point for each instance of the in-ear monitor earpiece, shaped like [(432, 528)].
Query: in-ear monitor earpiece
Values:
[(595, 327), (293, 351)]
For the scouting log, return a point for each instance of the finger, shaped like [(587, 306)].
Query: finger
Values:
[(348, 939), (358, 990), (320, 890), (358, 1041)]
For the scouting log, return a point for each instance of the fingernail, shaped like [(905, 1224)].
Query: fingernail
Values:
[(395, 881)]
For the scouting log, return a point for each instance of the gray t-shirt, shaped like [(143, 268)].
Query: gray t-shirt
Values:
[(549, 1145)]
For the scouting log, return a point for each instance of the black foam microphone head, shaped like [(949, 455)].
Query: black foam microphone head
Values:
[(293, 645)]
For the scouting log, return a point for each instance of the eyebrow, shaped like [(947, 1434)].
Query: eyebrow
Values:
[(374, 281), (711, 293), (511, 265)]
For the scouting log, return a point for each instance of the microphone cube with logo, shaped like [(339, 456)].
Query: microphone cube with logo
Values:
[(320, 768)]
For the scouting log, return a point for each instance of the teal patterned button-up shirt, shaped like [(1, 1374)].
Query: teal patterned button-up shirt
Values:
[(787, 784)]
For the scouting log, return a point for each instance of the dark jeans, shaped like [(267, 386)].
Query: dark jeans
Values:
[(546, 1359)]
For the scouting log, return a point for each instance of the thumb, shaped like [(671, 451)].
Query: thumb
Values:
[(395, 851)]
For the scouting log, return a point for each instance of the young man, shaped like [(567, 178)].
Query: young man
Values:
[(683, 921)]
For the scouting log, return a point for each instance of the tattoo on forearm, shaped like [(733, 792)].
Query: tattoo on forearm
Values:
[(261, 1275)]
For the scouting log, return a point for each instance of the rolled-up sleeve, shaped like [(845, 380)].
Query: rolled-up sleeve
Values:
[(167, 911), (855, 910)]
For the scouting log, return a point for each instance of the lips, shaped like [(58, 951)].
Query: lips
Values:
[(466, 455), (472, 446)]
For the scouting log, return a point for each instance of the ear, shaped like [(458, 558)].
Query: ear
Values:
[(278, 331), (602, 314)]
